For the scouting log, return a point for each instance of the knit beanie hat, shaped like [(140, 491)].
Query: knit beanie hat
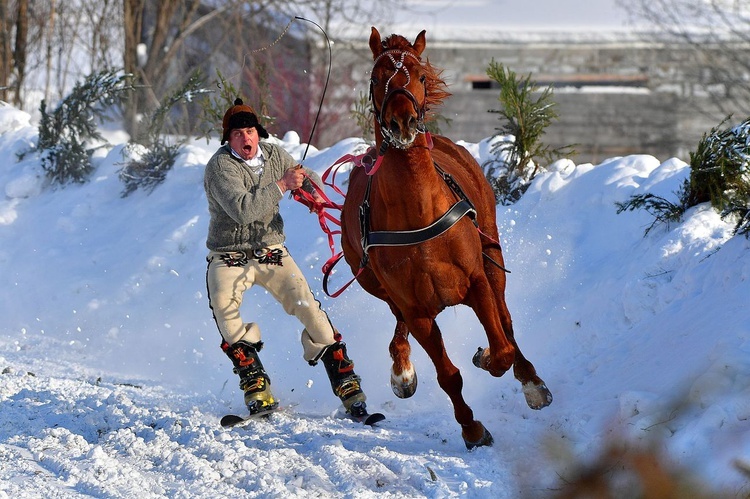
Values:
[(241, 116)]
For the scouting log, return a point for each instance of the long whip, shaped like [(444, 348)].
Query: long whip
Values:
[(325, 86)]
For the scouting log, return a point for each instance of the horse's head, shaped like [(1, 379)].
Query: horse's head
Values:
[(402, 87)]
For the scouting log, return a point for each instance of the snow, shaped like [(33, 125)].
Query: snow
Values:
[(113, 382)]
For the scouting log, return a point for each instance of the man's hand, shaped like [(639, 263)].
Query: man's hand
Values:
[(292, 179)]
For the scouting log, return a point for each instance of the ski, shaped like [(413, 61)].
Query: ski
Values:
[(231, 420), (368, 419), (358, 412)]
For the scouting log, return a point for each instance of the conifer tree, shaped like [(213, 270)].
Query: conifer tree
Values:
[(526, 112)]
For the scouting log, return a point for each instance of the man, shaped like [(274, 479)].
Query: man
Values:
[(244, 181)]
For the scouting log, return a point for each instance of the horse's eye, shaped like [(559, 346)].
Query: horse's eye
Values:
[(374, 80), (422, 79)]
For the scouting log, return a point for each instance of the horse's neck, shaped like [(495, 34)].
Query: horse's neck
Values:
[(414, 163), (408, 179)]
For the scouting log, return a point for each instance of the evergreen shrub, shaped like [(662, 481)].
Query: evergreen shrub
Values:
[(68, 135)]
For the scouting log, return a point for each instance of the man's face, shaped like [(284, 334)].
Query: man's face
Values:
[(244, 141)]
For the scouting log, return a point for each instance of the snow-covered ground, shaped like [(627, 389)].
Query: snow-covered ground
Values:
[(113, 382)]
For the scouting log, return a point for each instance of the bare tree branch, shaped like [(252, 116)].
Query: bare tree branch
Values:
[(718, 32)]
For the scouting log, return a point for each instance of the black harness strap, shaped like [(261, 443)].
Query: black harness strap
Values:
[(460, 209), (409, 237)]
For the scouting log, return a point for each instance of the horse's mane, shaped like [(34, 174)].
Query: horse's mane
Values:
[(437, 89)]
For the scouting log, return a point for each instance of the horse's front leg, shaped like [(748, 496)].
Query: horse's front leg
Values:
[(534, 389), (403, 375), (500, 355), (449, 378)]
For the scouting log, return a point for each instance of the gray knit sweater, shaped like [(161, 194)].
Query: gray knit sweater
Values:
[(244, 206)]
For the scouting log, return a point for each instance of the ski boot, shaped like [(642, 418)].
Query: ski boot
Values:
[(254, 380), (344, 382)]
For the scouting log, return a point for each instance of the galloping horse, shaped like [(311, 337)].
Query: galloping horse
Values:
[(420, 233)]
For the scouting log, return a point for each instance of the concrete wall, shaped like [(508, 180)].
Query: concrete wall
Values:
[(601, 125), (652, 111), (639, 102)]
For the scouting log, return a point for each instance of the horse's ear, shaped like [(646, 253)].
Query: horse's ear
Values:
[(419, 43), (375, 45)]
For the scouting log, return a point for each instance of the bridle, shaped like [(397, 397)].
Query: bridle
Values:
[(399, 66), (461, 208)]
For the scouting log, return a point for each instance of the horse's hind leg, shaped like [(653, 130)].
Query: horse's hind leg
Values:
[(403, 375), (449, 378)]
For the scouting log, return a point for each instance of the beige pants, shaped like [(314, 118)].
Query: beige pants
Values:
[(227, 284)]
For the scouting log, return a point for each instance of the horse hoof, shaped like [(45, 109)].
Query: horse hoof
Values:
[(537, 396), (404, 385), (482, 360), (486, 440), (477, 358)]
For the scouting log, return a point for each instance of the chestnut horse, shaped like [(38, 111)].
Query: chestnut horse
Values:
[(420, 233)]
